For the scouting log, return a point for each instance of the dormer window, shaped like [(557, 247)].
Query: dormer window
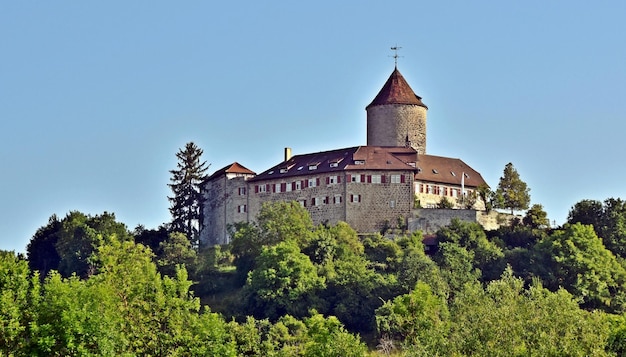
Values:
[(412, 164), (453, 174), (359, 162), (334, 164), (435, 171), (283, 171), (466, 175), (271, 172), (312, 167)]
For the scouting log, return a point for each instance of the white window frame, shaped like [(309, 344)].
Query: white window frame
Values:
[(396, 179), (376, 179), (312, 182)]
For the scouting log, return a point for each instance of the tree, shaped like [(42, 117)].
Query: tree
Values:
[(41, 250), (185, 184), (576, 259), (512, 192), (536, 217), (283, 282), (81, 235), (419, 318), (608, 220)]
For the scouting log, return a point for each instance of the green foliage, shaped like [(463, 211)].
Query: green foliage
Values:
[(283, 282), (472, 237), (185, 183), (417, 266), (506, 320), (445, 203), (512, 192), (81, 235), (608, 220), (18, 293), (536, 217), (176, 251), (419, 319), (577, 260), (283, 221), (486, 195), (41, 250)]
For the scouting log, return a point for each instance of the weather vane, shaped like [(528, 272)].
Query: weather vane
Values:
[(395, 56)]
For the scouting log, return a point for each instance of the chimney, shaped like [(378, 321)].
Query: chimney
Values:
[(287, 154)]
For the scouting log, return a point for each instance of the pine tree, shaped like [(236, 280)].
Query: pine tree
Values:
[(512, 193), (185, 184)]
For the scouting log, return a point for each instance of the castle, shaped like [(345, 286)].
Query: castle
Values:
[(370, 187)]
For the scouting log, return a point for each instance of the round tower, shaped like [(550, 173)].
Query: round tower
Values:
[(397, 116)]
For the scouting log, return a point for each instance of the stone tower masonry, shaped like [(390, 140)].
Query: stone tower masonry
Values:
[(397, 116)]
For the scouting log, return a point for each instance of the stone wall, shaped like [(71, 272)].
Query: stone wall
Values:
[(380, 204), (225, 202), (430, 220), (389, 125)]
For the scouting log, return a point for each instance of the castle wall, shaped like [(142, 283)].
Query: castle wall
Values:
[(225, 202), (372, 206), (389, 125), (367, 200)]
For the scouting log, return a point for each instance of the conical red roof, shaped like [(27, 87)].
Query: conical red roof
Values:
[(396, 91)]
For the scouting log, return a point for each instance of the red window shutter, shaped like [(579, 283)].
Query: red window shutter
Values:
[(283, 187), (338, 179), (256, 188), (348, 178), (369, 178), (293, 186), (305, 183), (327, 200), (267, 188), (402, 179), (383, 179), (317, 181), (351, 198), (362, 178), (327, 180)]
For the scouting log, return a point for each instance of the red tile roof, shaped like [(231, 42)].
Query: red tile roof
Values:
[(353, 158), (234, 168), (440, 169), (396, 91)]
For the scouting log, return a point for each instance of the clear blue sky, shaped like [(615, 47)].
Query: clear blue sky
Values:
[(97, 97)]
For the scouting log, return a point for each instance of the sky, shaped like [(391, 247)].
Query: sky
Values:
[(96, 98)]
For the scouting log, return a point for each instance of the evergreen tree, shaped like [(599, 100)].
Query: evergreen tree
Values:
[(512, 192), (185, 184)]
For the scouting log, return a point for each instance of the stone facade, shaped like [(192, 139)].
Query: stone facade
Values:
[(393, 124), (430, 220), (225, 201)]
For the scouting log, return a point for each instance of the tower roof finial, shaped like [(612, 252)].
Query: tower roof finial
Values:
[(395, 56)]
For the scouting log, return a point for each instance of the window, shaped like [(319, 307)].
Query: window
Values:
[(355, 198), (241, 209), (395, 178), (440, 190), (312, 182), (358, 178), (392, 203), (242, 191), (325, 200), (302, 203), (337, 199), (376, 179), (261, 188), (283, 171), (429, 189), (359, 162), (277, 188), (455, 193), (331, 180), (288, 187), (298, 185), (313, 167), (315, 201), (435, 171), (334, 164)]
